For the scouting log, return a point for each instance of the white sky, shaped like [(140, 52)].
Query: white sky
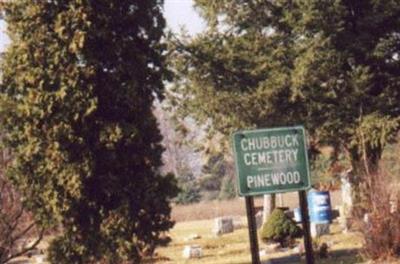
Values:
[(177, 13), (181, 13), (3, 36)]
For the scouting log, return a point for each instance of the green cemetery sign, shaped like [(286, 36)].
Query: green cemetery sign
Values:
[(271, 160)]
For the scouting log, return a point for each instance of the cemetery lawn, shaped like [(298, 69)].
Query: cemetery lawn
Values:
[(233, 248)]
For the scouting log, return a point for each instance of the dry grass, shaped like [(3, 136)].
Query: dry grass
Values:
[(233, 248), (236, 207), (230, 248), (208, 210)]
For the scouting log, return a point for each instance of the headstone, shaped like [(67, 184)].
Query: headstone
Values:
[(318, 230), (344, 221), (223, 225), (347, 201), (347, 195), (259, 219), (193, 251)]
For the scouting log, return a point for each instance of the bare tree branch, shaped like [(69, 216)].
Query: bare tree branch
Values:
[(27, 249), (16, 223)]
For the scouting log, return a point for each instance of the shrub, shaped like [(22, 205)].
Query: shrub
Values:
[(86, 147), (189, 190), (189, 193), (228, 189), (381, 227), (280, 228)]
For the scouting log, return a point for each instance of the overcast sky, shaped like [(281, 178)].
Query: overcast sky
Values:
[(181, 13), (177, 13)]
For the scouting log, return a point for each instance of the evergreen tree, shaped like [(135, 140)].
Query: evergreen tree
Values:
[(228, 189), (213, 172), (189, 189), (346, 76), (82, 76), (330, 65)]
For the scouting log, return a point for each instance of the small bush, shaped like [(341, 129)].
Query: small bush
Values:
[(280, 228), (189, 190), (381, 226), (228, 189), (188, 194)]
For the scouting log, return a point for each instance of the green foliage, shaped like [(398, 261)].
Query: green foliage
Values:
[(213, 172), (63, 250), (330, 65), (391, 161), (228, 189), (345, 71), (189, 189), (279, 228), (188, 194), (81, 77), (320, 169)]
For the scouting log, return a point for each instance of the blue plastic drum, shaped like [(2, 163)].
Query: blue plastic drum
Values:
[(319, 207)]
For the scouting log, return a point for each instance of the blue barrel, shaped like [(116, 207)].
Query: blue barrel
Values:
[(319, 207)]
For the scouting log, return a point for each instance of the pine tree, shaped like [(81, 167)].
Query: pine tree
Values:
[(345, 74), (82, 76), (330, 65), (189, 190)]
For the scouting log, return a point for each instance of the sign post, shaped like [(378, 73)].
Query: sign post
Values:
[(255, 256), (272, 161), (305, 221)]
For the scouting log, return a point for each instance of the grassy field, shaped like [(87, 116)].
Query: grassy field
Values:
[(212, 209), (233, 248), (197, 219)]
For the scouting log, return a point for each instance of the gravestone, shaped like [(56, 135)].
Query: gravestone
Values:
[(259, 219), (223, 225), (347, 200), (346, 191), (319, 229), (193, 251)]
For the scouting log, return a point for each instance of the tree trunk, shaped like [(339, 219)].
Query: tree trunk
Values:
[(365, 167), (269, 205)]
